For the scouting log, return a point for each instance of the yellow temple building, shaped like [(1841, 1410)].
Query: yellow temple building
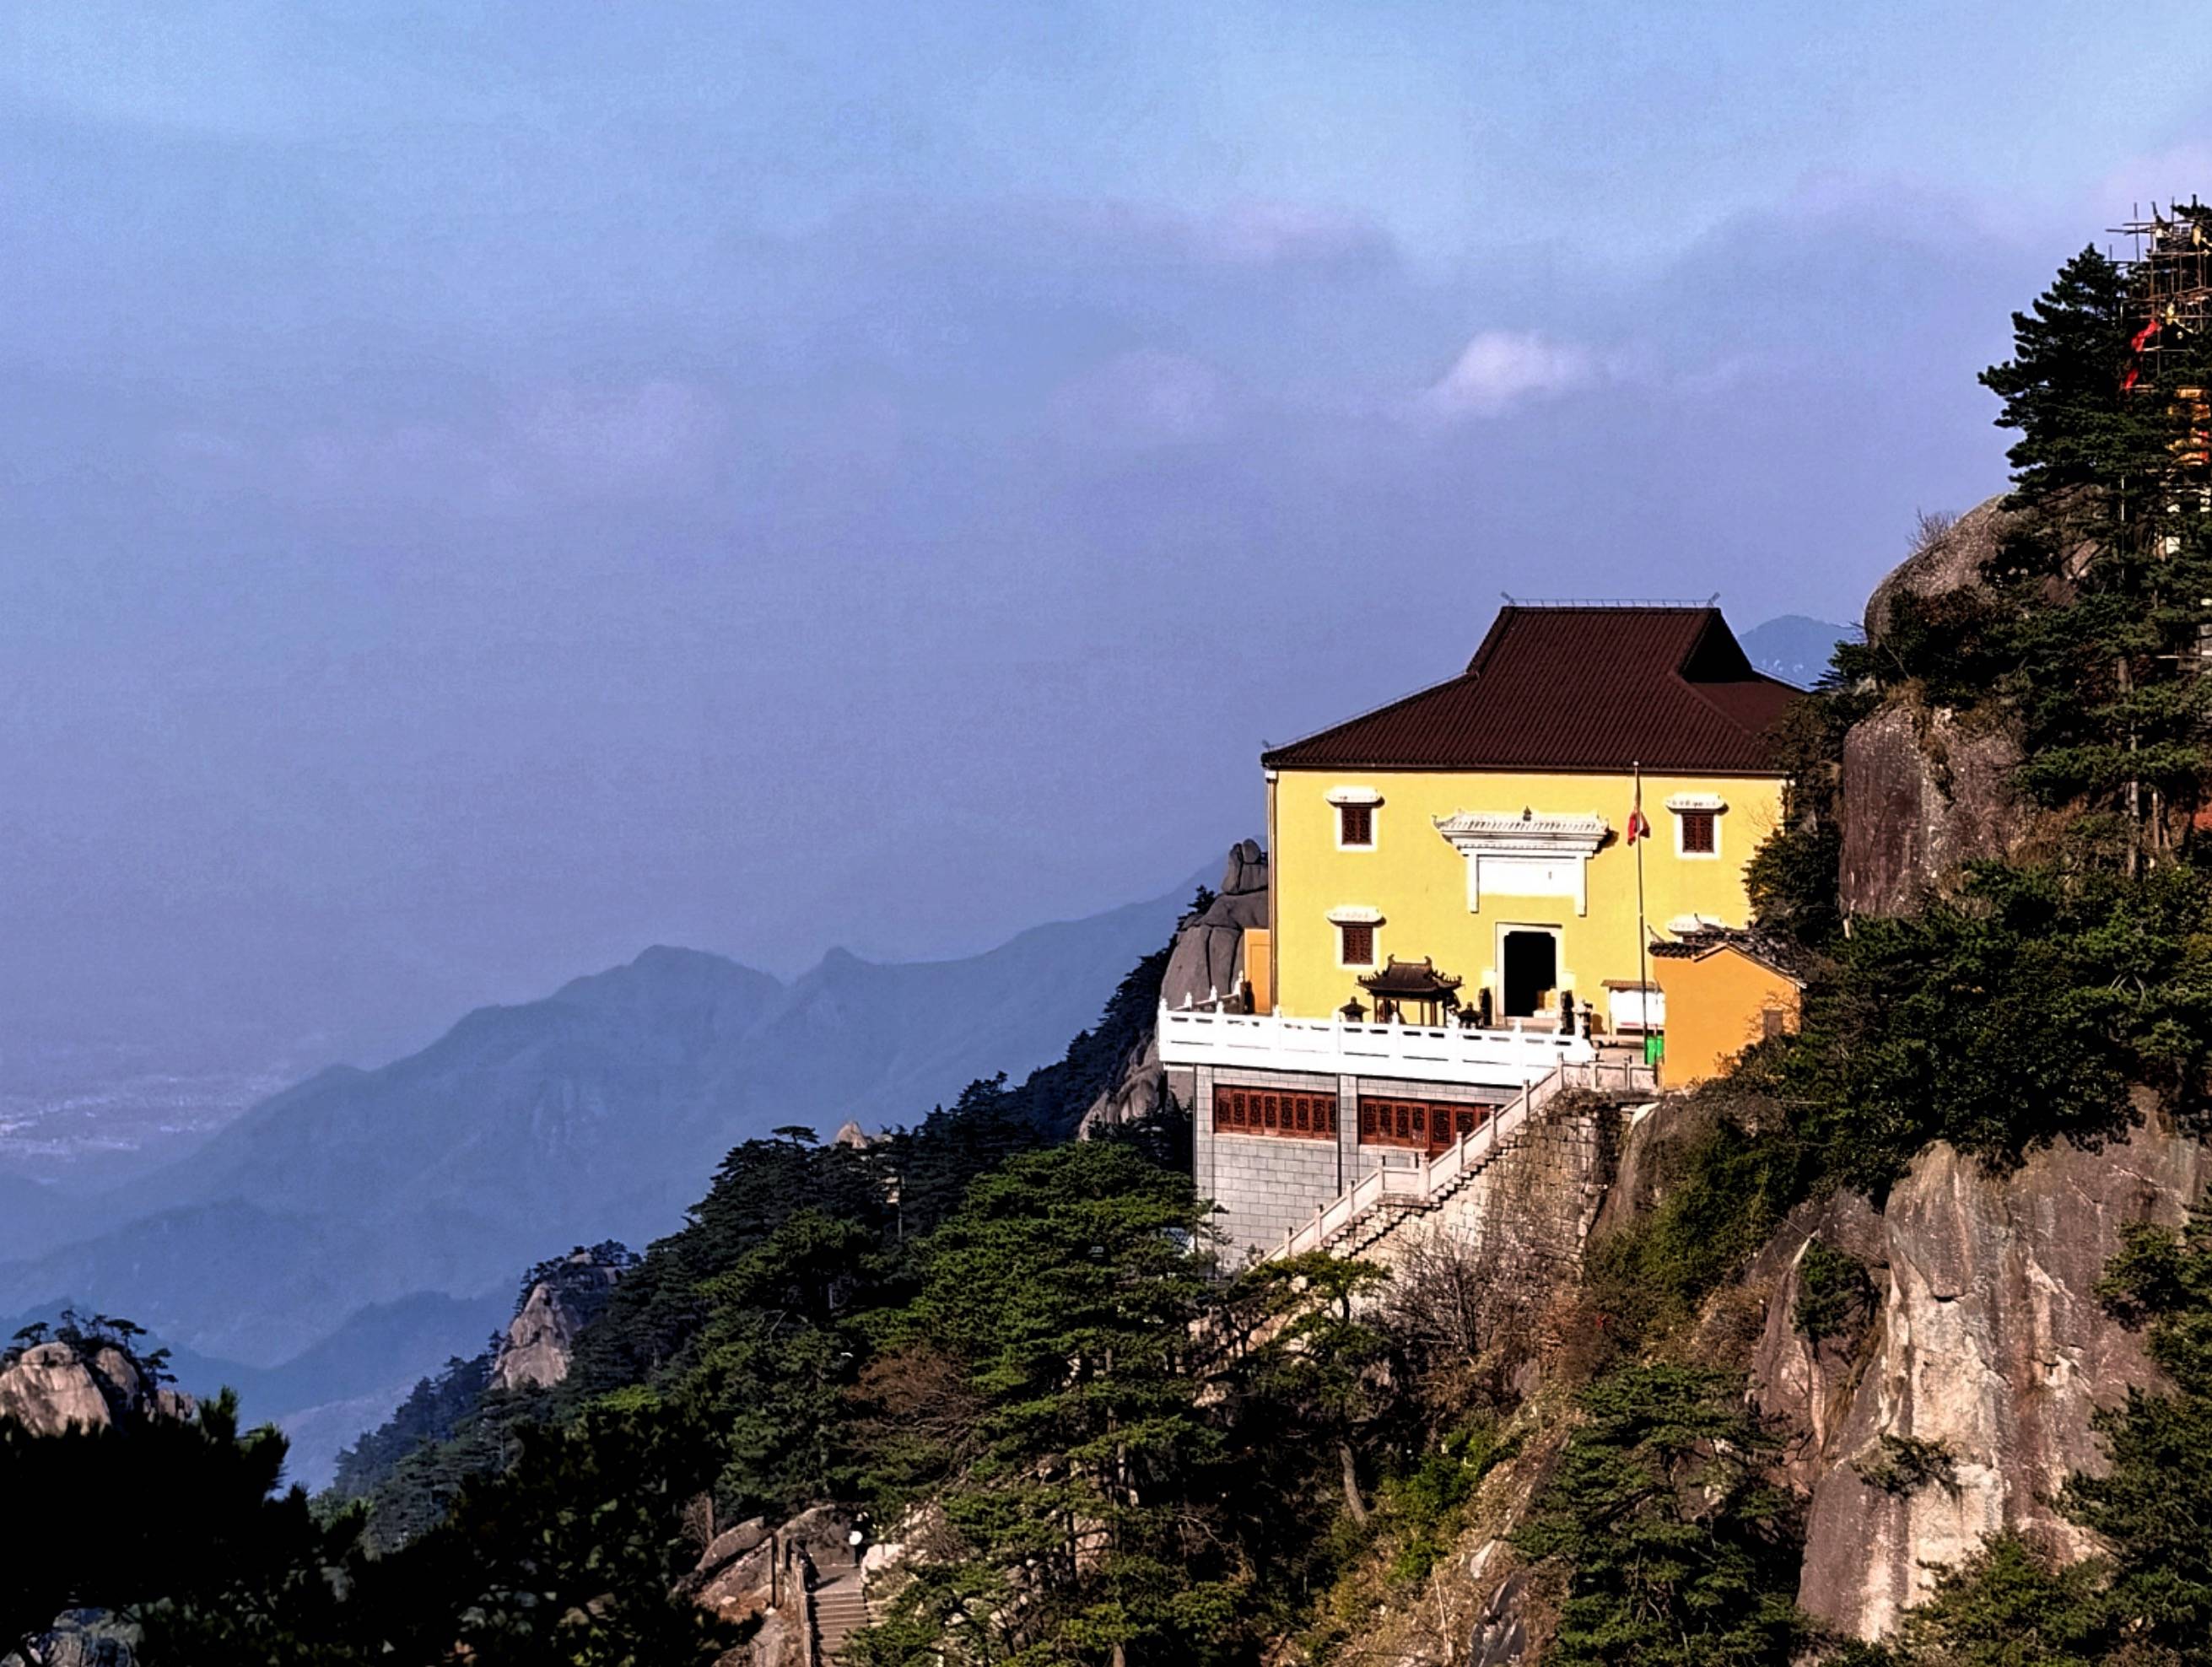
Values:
[(1469, 890), (1482, 826)]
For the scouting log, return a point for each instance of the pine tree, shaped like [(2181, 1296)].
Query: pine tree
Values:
[(1066, 1295), (2083, 441), (2108, 574), (1679, 1551)]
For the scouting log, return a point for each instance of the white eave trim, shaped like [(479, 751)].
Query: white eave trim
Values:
[(1499, 833), (1553, 850), (1685, 926), (1349, 915), (1696, 801), (1352, 796)]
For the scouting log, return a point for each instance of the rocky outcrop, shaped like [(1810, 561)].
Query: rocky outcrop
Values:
[(52, 1386), (1208, 957), (758, 1578), (1205, 960), (1966, 1399), (1925, 789), (1923, 793), (83, 1637), (542, 1339), (1945, 560)]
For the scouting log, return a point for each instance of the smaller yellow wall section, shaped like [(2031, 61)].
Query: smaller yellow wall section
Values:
[(1417, 881), (1259, 968), (1716, 1008)]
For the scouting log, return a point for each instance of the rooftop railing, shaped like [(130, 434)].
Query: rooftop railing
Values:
[(1511, 1057)]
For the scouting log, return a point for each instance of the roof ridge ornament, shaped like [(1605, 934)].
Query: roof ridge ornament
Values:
[(1513, 602)]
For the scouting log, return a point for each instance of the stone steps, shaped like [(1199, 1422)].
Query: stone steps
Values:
[(840, 1609), (1370, 1227)]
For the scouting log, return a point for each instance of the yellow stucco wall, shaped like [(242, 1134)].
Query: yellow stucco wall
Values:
[(1258, 963), (1716, 1008), (1417, 882)]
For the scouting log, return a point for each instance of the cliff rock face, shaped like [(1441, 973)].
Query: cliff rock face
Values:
[(53, 1385), (1208, 955), (1137, 1093), (1923, 790), (542, 1339), (1923, 793), (1205, 960), (1966, 1403)]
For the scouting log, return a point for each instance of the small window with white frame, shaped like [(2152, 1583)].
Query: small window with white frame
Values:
[(1696, 824), (1355, 936), (1355, 817)]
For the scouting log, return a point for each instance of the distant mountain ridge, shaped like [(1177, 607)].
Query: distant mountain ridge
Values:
[(597, 1112), (1795, 647)]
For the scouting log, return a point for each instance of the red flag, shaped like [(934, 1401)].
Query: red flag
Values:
[(1638, 828)]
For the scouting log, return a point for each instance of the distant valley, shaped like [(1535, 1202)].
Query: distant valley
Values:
[(354, 1229)]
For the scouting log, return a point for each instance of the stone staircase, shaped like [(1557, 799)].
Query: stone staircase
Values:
[(840, 1609), (1385, 1198)]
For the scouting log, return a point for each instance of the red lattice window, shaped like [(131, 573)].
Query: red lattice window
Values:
[(1699, 836), (1357, 943), (1423, 1125), (1269, 1112), (1355, 825)]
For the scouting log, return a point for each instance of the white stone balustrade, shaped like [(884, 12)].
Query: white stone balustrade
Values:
[(1511, 1058)]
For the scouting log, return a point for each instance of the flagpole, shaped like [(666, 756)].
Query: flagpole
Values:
[(1643, 965)]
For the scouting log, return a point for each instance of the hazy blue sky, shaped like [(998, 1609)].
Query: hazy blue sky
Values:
[(484, 488)]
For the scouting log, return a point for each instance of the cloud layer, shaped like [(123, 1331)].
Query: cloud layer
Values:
[(486, 494), (1500, 370)]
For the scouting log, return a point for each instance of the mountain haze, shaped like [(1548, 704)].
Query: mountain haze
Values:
[(596, 1112), (1795, 647)]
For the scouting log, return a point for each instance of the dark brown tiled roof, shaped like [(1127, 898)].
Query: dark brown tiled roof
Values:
[(1574, 688), (1792, 962), (1418, 979)]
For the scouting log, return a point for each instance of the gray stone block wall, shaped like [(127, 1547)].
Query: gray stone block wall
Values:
[(1264, 1186), (1267, 1185), (1523, 1219)]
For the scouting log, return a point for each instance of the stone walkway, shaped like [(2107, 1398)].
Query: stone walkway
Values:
[(840, 1610)]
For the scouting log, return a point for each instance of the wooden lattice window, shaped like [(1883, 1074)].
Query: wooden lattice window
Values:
[(1700, 836), (1263, 1112), (1355, 825), (1425, 1125), (1356, 943)]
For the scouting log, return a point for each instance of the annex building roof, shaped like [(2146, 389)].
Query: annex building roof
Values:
[(1776, 954), (1574, 688)]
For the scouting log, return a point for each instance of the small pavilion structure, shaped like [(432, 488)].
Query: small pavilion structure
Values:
[(1412, 992)]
